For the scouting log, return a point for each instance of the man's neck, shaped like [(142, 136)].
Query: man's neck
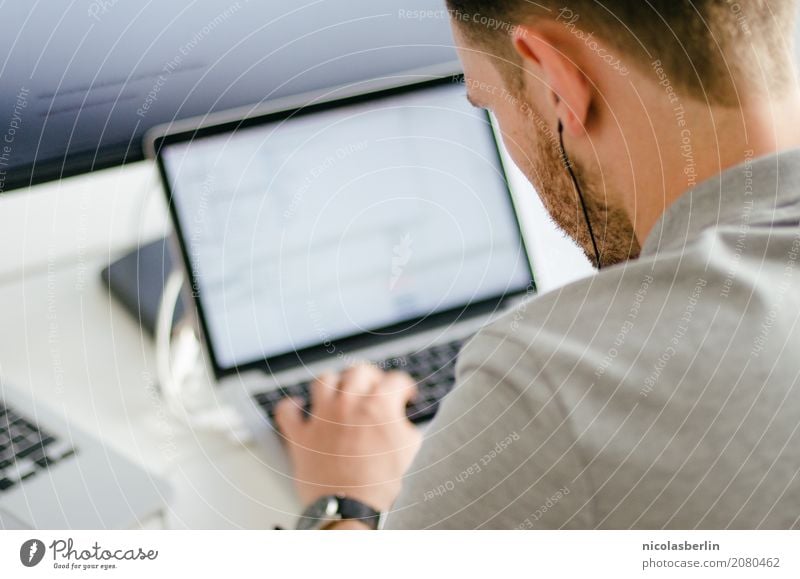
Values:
[(716, 140)]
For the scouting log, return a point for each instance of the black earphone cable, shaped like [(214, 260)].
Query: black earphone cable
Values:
[(568, 165)]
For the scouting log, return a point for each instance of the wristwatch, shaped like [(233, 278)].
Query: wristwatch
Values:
[(332, 508)]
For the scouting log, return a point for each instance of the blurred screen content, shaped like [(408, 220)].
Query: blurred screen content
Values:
[(340, 222)]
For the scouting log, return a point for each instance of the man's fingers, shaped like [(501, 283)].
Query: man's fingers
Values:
[(359, 380), (323, 390), (397, 388), (289, 417)]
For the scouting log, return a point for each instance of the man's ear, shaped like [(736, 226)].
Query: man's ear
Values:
[(570, 93)]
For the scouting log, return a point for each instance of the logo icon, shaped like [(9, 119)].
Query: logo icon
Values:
[(402, 253), (32, 552)]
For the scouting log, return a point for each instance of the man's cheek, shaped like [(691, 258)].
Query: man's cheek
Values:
[(512, 126), (516, 147)]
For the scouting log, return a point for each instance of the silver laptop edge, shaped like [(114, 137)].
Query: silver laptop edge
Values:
[(292, 102)]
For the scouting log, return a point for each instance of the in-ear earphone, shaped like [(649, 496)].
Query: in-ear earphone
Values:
[(568, 165)]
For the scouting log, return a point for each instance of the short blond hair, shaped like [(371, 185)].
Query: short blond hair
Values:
[(707, 48)]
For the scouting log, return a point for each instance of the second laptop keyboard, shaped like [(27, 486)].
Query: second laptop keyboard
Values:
[(433, 369), (25, 448)]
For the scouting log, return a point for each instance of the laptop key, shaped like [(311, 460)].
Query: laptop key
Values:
[(56, 450), (22, 469), (30, 448), (45, 462), (6, 484), (67, 453)]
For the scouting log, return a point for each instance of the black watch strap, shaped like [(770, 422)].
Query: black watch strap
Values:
[(352, 509), (329, 509)]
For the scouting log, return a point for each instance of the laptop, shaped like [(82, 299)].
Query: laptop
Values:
[(53, 475), (371, 222)]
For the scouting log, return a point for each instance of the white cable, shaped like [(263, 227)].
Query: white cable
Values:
[(170, 390), (181, 369)]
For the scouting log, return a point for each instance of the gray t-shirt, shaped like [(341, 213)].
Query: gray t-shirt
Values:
[(660, 393)]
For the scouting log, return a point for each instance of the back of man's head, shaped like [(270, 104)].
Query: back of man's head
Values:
[(713, 49)]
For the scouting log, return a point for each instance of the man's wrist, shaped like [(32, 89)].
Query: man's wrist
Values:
[(348, 525)]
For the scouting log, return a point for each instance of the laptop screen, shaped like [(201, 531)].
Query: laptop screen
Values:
[(363, 217)]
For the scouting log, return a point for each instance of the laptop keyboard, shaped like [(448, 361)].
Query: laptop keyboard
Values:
[(26, 449), (432, 368)]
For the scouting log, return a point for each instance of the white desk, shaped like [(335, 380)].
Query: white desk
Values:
[(65, 338)]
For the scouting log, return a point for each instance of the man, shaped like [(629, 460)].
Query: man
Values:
[(663, 392)]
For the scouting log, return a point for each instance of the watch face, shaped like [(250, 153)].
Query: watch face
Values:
[(319, 513)]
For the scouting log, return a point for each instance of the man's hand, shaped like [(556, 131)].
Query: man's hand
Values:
[(358, 441)]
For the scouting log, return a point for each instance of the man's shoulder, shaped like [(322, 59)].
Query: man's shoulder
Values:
[(616, 316), (582, 307)]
